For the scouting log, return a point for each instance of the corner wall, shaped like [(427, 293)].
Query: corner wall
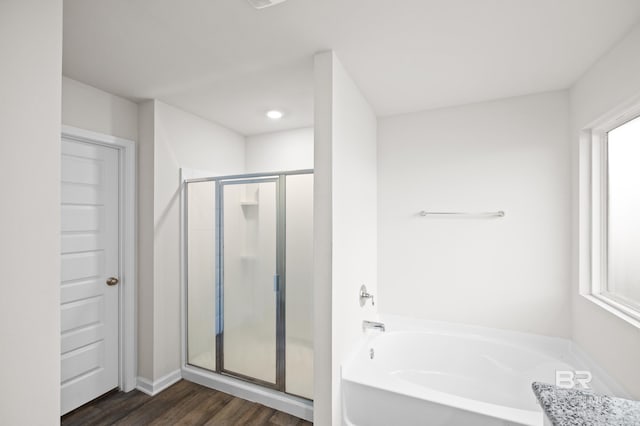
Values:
[(170, 139), (345, 226), (509, 272), (31, 51), (145, 293), (613, 81)]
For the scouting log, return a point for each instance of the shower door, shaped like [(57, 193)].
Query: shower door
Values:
[(250, 278), (246, 236)]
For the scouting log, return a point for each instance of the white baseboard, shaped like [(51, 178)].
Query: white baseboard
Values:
[(154, 388)]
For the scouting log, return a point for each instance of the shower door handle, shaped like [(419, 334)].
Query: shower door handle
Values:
[(276, 283)]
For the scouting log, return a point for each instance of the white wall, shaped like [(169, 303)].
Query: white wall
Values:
[(345, 231), (145, 294), (613, 81), (510, 272), (30, 75), (179, 140), (92, 109), (280, 151)]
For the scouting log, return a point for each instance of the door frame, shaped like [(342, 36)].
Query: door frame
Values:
[(127, 312)]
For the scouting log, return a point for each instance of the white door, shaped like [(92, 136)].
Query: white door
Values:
[(90, 257)]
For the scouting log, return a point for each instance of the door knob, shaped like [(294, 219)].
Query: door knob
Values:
[(112, 281)]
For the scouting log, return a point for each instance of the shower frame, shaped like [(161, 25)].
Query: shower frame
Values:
[(279, 280)]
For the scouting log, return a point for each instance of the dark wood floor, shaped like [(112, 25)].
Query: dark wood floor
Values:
[(184, 403)]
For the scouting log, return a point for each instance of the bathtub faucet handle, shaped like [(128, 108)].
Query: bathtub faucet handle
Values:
[(363, 296)]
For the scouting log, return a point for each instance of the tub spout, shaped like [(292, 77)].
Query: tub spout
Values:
[(372, 325)]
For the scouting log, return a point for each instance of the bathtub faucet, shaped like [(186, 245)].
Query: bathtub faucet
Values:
[(364, 295), (372, 325)]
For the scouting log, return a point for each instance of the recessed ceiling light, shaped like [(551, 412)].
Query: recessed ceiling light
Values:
[(261, 4), (274, 114)]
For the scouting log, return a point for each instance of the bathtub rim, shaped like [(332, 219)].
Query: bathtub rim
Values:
[(552, 345), (388, 383), (544, 345), (513, 415)]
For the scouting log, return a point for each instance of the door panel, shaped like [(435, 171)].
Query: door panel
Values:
[(85, 265), (77, 243), (78, 337), (81, 290), (84, 361), (81, 193), (83, 168), (82, 218), (249, 269), (89, 252), (81, 314)]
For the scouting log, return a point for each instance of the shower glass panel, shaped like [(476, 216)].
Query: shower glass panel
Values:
[(249, 278), (299, 280), (201, 268)]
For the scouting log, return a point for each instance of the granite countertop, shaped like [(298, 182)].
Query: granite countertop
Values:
[(569, 407)]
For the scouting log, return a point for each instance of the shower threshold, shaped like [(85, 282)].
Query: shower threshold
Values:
[(296, 406)]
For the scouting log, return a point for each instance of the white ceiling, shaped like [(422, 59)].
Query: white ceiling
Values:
[(225, 61)]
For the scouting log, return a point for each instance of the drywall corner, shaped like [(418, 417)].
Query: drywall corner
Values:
[(145, 297), (322, 330), (345, 226), (30, 110)]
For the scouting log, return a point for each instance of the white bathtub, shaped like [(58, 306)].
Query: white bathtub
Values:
[(444, 374)]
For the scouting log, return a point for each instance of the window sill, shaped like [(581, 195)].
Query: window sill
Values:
[(619, 310)]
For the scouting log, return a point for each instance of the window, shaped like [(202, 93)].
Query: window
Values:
[(623, 230), (615, 215)]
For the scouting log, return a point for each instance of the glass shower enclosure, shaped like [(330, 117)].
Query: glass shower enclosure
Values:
[(249, 259)]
